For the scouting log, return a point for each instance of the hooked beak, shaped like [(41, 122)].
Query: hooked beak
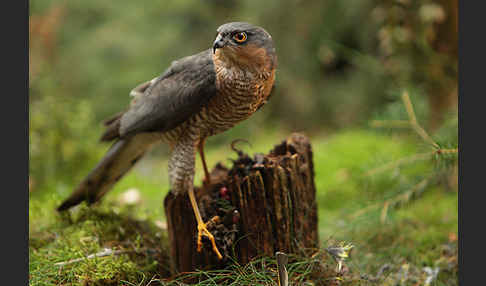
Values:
[(218, 43)]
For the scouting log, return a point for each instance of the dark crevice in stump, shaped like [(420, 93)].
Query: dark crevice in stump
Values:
[(266, 204)]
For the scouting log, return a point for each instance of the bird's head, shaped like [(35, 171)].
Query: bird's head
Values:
[(244, 44)]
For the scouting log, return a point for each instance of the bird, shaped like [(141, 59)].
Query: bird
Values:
[(196, 97)]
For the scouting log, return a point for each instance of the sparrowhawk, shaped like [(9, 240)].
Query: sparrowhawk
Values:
[(196, 97)]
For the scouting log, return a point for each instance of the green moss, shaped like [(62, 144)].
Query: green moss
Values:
[(416, 233), (90, 231)]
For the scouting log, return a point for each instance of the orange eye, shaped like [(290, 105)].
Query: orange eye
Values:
[(240, 37)]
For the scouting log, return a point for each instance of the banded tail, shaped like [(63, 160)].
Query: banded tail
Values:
[(119, 159)]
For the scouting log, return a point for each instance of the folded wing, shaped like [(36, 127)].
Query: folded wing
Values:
[(167, 101)]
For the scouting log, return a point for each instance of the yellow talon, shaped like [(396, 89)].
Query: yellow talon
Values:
[(202, 230), (201, 226)]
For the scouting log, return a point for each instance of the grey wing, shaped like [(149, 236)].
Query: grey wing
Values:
[(172, 98)]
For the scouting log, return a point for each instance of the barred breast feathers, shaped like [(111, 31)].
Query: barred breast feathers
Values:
[(244, 74), (243, 86)]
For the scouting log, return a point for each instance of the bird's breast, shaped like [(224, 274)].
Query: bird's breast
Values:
[(239, 95)]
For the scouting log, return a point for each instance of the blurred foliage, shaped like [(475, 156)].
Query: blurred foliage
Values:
[(340, 64), (62, 139), (343, 68), (418, 46)]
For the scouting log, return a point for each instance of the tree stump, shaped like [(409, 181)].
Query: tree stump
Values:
[(265, 204)]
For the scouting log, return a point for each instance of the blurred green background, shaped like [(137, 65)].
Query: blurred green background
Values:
[(342, 66)]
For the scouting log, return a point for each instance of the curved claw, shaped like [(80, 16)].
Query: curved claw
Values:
[(203, 231)]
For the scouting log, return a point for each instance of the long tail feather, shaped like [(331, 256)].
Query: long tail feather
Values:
[(119, 159)]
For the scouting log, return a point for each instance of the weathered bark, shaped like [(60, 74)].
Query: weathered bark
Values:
[(265, 204)]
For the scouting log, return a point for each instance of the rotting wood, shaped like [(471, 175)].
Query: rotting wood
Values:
[(269, 206)]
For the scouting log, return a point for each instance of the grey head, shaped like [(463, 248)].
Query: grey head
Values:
[(240, 39)]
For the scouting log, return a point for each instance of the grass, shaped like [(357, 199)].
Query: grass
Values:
[(421, 232)]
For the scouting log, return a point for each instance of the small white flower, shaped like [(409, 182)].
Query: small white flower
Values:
[(340, 253), (431, 274)]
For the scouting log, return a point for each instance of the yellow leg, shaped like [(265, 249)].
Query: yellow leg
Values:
[(207, 179), (201, 226)]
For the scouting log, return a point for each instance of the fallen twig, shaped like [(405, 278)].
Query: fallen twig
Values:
[(104, 252)]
